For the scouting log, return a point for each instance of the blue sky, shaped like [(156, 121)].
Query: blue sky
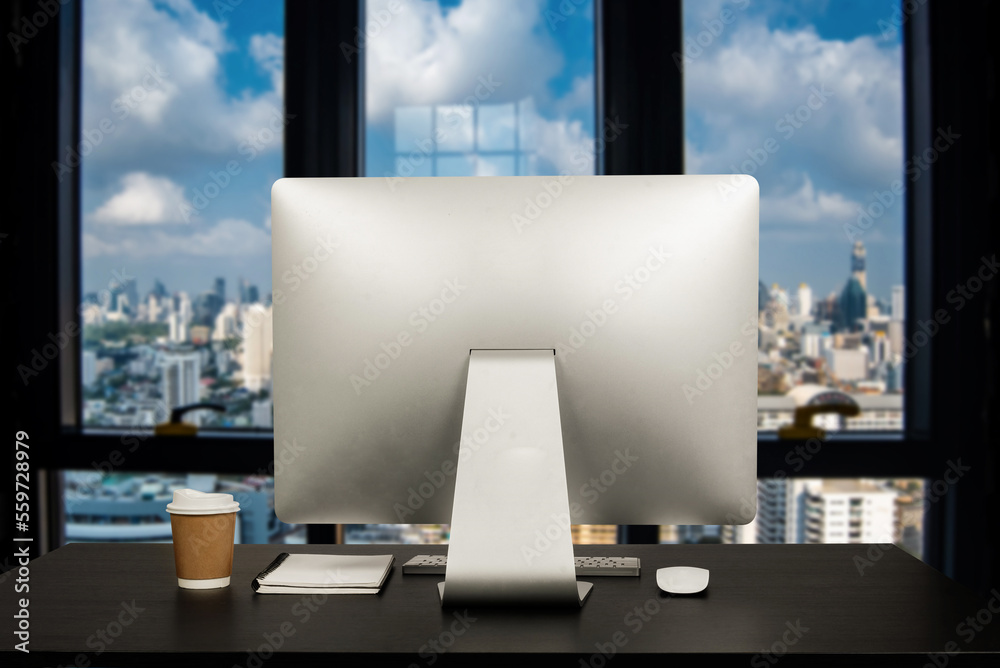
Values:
[(153, 203)]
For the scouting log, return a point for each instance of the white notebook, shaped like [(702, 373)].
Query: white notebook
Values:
[(324, 574)]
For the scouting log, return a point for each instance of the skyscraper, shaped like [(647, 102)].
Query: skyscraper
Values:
[(858, 264), (853, 304), (898, 303), (178, 328), (220, 289), (257, 348), (89, 367), (854, 298), (180, 379), (805, 299)]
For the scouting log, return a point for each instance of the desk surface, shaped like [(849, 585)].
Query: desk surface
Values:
[(114, 605)]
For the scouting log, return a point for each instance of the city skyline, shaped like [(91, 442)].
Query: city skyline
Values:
[(179, 189)]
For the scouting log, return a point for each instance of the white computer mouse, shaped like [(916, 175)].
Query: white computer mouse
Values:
[(682, 579)]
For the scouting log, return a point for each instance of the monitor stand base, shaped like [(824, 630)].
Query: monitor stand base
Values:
[(511, 539), (582, 588)]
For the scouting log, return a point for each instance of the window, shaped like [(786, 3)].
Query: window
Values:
[(941, 446), (808, 99), (182, 129), (182, 125)]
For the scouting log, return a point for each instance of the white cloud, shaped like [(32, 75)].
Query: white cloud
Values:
[(268, 50), (739, 92), (186, 114), (230, 237), (430, 55), (144, 199), (807, 205)]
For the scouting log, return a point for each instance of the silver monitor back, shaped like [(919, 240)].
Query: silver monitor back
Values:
[(645, 286)]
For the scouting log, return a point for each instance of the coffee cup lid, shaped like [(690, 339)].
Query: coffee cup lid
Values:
[(193, 502)]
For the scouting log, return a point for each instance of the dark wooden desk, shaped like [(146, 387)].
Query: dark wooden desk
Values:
[(119, 605)]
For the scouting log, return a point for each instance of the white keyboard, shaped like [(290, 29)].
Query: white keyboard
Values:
[(435, 564)]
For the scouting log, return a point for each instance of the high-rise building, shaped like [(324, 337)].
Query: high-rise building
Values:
[(178, 328), (805, 300), (206, 308), (249, 294), (89, 367), (225, 323), (881, 348), (152, 308), (180, 379), (771, 506), (257, 347), (858, 264), (220, 289), (183, 306), (853, 305), (898, 303), (811, 510), (132, 292), (844, 511)]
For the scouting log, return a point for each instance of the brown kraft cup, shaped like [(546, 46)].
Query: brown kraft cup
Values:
[(204, 528)]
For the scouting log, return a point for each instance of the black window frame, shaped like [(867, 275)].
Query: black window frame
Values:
[(947, 63)]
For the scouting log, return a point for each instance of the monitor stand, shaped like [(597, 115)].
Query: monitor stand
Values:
[(511, 541)]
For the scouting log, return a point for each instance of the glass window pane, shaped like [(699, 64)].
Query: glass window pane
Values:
[(131, 507), (818, 510), (497, 127), (182, 123), (808, 98), (445, 90)]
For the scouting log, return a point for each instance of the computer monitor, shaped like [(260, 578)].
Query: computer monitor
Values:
[(434, 329)]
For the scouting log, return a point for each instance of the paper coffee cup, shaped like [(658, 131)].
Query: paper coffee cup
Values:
[(203, 527)]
